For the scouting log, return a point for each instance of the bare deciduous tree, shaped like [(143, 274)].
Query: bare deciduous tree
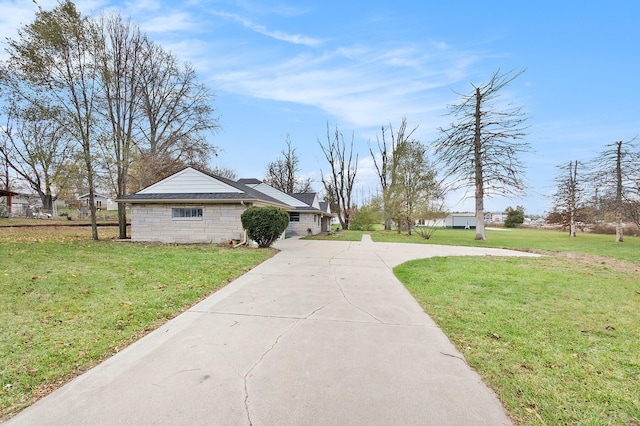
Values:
[(339, 184), (481, 149), (282, 174), (177, 117), (384, 164), (617, 170), (568, 197), (121, 61), (38, 149)]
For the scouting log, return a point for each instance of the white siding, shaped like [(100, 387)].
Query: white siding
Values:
[(278, 195), (189, 181), (316, 203), (461, 220)]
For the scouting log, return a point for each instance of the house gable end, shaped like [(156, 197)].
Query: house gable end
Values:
[(316, 202), (190, 181)]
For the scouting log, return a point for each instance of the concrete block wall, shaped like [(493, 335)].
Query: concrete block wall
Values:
[(219, 223), (307, 221)]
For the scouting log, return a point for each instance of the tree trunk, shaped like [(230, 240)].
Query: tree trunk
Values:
[(572, 225), (122, 221), (92, 209), (479, 179), (92, 191), (619, 228), (573, 176), (123, 172), (47, 202)]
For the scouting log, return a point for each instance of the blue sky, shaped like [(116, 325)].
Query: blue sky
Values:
[(289, 67)]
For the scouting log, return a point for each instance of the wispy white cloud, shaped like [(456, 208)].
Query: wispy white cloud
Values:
[(364, 86), (260, 29), (176, 21), (14, 16), (18, 13), (271, 8), (141, 6)]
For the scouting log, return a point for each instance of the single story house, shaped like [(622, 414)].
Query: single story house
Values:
[(101, 201), (195, 206), (461, 221)]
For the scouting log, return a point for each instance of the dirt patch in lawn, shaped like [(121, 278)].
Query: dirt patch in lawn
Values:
[(604, 262)]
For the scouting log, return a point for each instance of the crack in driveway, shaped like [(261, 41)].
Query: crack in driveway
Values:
[(353, 304), (253, 367), (263, 356)]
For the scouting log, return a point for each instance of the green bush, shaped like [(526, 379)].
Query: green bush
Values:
[(365, 219), (515, 217), (264, 224)]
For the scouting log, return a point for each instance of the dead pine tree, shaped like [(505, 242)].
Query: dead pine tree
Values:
[(481, 149)]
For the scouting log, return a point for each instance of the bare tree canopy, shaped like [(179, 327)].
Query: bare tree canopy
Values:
[(283, 173), (177, 116), (36, 146), (338, 185), (384, 160), (481, 148), (224, 172)]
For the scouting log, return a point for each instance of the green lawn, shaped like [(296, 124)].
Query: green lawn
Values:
[(67, 302)]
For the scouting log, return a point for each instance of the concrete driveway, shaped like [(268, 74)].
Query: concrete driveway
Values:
[(321, 334)]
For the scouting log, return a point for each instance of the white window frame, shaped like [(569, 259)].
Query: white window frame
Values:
[(187, 213)]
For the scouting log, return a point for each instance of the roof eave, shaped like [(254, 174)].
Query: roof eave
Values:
[(199, 201)]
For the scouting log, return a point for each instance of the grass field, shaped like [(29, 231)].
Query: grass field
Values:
[(67, 302)]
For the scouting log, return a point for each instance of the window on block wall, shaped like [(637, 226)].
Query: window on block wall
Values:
[(193, 213), (294, 217)]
